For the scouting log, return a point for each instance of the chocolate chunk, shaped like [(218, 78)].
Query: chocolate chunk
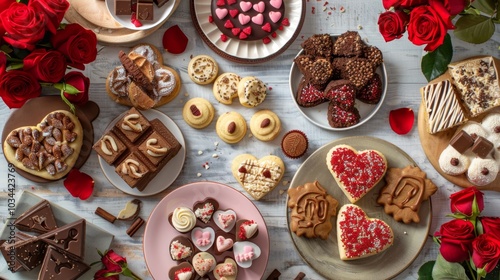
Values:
[(8, 246), (123, 7), (482, 147), (70, 238), (30, 252), (58, 264), (462, 141), (38, 218)]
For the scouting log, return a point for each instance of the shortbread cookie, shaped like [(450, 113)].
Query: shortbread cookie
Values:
[(258, 176), (198, 112), (251, 91), (231, 127), (203, 69), (356, 173), (48, 149), (265, 125), (226, 87), (318, 222), (359, 236), (405, 190)]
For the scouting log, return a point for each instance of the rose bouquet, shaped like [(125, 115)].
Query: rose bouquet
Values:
[(428, 22), (469, 244), (36, 49)]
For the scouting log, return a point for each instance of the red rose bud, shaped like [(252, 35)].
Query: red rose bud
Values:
[(485, 252), (174, 40), (392, 25), (491, 225), (47, 66), (455, 7), (456, 238), (401, 120), (79, 184), (468, 202), (17, 87), (79, 82)]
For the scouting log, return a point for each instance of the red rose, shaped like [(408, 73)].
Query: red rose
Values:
[(491, 225), (456, 239), (486, 252), (392, 25), (428, 25), (47, 66), (53, 9), (4, 4), (462, 201), (402, 3), (24, 25), (3, 63), (99, 275), (78, 44), (17, 86), (455, 7), (80, 82), (113, 262)]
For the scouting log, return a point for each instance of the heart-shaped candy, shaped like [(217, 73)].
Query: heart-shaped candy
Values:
[(244, 19), (356, 172), (223, 243), (49, 149), (233, 13), (225, 219), (183, 271), (276, 3), (359, 236), (221, 13), (246, 229), (245, 6), (274, 16), (259, 7), (204, 210), (203, 263), (245, 252), (181, 248), (227, 270), (258, 19), (203, 238), (258, 176)]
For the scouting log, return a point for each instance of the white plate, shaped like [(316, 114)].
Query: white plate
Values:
[(248, 51), (318, 114), (160, 14), (95, 239), (323, 255), (166, 175)]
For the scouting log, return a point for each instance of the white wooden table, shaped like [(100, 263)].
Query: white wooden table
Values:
[(402, 60)]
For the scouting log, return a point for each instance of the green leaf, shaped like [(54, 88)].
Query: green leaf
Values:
[(486, 6), (435, 63), (425, 271), (447, 270), (471, 11), (475, 29)]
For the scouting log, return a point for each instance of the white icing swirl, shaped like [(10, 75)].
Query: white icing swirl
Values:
[(165, 82), (183, 219), (147, 52), (119, 81)]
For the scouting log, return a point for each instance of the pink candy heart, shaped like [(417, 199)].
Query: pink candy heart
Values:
[(276, 3), (245, 6), (224, 244), (221, 13), (275, 16), (259, 7), (258, 19), (244, 19)]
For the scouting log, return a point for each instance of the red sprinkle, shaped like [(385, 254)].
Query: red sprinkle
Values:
[(223, 37), (210, 19), (266, 40)]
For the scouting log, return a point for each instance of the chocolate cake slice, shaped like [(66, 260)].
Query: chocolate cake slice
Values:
[(38, 218), (70, 238), (59, 264)]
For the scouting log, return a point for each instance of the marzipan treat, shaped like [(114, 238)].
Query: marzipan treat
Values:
[(405, 190), (48, 149), (149, 146), (323, 207)]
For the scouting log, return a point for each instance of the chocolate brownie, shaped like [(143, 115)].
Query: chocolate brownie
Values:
[(374, 55), (359, 71), (372, 92), (308, 95), (320, 73)]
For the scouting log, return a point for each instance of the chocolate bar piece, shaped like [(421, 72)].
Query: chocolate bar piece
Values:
[(7, 248), (58, 264), (133, 125), (145, 10), (29, 253), (38, 218), (70, 238), (109, 147), (462, 141), (123, 7), (160, 3), (482, 147)]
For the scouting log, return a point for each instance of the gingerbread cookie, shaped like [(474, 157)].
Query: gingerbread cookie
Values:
[(251, 91), (226, 87), (405, 190), (198, 112), (323, 206), (258, 176), (265, 125), (231, 127), (203, 69)]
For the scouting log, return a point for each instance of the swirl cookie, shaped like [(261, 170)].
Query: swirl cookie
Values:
[(231, 127), (203, 69), (198, 112), (226, 88), (251, 91), (265, 125)]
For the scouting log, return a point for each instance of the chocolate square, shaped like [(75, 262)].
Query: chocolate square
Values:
[(133, 171), (155, 148), (462, 141), (123, 7), (482, 147), (58, 264), (145, 10), (133, 124), (109, 147)]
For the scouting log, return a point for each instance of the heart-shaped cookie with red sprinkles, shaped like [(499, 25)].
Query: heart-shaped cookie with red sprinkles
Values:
[(356, 172), (360, 236)]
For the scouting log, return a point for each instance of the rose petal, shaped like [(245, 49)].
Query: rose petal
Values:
[(401, 120), (174, 40), (79, 184)]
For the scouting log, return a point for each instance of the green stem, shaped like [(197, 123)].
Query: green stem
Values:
[(474, 277)]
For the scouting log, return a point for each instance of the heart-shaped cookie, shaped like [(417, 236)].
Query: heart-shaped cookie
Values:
[(356, 172), (360, 236), (183, 271), (49, 149), (225, 219), (203, 238), (227, 270), (203, 263), (245, 252), (181, 248), (258, 176)]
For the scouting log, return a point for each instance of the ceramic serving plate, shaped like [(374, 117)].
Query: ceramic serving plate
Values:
[(323, 255), (159, 233), (159, 15), (167, 174), (318, 114), (96, 238)]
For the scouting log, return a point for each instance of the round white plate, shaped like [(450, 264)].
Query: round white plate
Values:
[(248, 51), (323, 255), (167, 174), (160, 14), (318, 114)]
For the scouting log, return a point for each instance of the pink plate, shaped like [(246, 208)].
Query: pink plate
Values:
[(159, 232)]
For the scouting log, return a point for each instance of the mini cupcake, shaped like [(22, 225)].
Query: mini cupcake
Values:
[(294, 144)]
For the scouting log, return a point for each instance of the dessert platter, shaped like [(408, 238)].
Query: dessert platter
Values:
[(322, 253), (162, 10), (95, 238), (160, 229), (248, 31)]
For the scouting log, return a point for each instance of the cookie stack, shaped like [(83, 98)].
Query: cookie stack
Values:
[(339, 70)]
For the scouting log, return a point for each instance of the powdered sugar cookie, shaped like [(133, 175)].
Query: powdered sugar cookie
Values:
[(452, 162)]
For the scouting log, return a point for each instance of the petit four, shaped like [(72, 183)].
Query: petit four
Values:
[(265, 125)]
